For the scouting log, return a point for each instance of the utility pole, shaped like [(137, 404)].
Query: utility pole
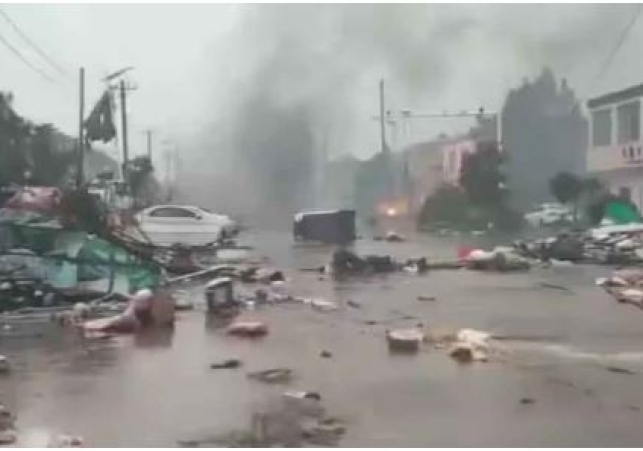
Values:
[(149, 144), (168, 182), (124, 131), (81, 139), (382, 129)]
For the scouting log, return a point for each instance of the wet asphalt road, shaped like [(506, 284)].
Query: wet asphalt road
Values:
[(154, 390)]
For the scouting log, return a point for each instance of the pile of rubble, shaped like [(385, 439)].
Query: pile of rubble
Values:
[(611, 245), (463, 345), (624, 285)]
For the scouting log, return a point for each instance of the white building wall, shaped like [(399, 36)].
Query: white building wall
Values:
[(618, 165)]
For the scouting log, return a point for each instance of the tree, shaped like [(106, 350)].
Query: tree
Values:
[(14, 131), (30, 148), (449, 205), (545, 132), (566, 187), (49, 165), (481, 176)]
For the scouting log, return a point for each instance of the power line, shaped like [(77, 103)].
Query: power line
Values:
[(32, 44), (619, 43), (24, 60)]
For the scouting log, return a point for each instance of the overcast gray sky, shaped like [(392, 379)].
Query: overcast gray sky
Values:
[(192, 60)]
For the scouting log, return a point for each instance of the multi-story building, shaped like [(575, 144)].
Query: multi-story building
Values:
[(453, 154), (615, 151)]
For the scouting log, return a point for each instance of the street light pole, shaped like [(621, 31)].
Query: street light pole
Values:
[(124, 130), (81, 138)]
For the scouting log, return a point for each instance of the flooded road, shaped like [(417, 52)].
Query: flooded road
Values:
[(157, 389)]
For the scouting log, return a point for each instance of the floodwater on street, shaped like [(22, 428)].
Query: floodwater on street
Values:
[(154, 390)]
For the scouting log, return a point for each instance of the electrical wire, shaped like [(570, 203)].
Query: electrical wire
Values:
[(620, 42), (33, 45), (19, 55)]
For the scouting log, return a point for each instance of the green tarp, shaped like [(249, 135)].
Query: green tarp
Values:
[(621, 213), (97, 256)]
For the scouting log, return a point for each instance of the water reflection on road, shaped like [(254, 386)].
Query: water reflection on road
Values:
[(154, 389)]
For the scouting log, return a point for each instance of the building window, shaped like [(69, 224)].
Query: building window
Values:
[(602, 128), (629, 122)]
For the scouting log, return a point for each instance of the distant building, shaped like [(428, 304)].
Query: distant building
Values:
[(615, 151), (454, 152), (424, 163)]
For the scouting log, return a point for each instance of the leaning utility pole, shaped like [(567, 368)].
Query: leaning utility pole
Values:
[(124, 131), (81, 139), (382, 130)]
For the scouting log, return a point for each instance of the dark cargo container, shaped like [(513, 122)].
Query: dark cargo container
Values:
[(336, 226)]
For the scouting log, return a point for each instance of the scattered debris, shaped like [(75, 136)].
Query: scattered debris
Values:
[(321, 304), (226, 364), (617, 369), (5, 367), (404, 340), (145, 309), (526, 401), (471, 346), (501, 259), (323, 433), (302, 395), (295, 419), (353, 304), (219, 295), (625, 286), (273, 376), (8, 437), (65, 441), (326, 354), (427, 298), (182, 301), (416, 266), (336, 226), (251, 329), (8, 433), (554, 286), (394, 237)]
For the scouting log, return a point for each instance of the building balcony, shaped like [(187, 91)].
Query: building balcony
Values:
[(616, 156)]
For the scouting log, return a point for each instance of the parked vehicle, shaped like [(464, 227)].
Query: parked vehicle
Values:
[(184, 224), (549, 214)]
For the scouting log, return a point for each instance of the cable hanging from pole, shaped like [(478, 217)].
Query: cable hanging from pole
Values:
[(20, 56), (32, 44), (619, 43)]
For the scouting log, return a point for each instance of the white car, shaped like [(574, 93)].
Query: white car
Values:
[(185, 224), (548, 214)]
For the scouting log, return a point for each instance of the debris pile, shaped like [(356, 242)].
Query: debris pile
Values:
[(501, 259), (625, 286), (471, 346), (8, 433), (611, 245)]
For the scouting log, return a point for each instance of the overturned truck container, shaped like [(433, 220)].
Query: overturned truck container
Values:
[(333, 226)]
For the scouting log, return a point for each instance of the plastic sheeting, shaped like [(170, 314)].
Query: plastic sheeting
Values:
[(97, 257)]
